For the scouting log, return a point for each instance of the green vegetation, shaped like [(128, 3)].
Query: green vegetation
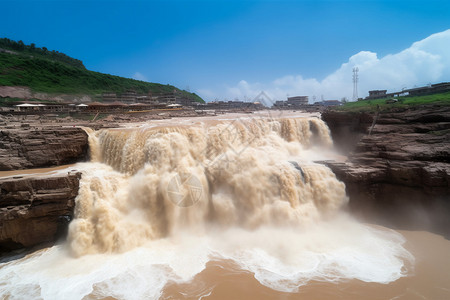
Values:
[(19, 48), (58, 73), (371, 105)]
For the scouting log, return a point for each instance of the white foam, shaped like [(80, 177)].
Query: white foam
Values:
[(255, 207), (341, 249), (283, 259), (138, 274)]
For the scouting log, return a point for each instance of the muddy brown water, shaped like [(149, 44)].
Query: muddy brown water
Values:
[(37, 172), (106, 257), (429, 280)]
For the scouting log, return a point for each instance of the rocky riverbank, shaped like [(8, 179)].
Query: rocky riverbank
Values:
[(398, 174), (35, 210), (36, 146)]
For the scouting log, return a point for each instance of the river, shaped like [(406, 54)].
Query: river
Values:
[(230, 208)]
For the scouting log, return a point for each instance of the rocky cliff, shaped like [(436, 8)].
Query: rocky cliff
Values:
[(35, 210), (34, 146), (400, 173), (347, 128)]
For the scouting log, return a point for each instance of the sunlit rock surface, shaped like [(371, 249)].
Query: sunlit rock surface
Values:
[(34, 146)]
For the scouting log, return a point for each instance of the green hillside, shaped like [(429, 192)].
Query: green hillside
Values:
[(404, 101), (33, 51), (62, 74)]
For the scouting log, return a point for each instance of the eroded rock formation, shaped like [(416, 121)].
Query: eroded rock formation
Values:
[(33, 146), (400, 173), (347, 128), (35, 210)]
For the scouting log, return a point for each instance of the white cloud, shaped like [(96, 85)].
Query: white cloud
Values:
[(426, 61), (139, 76)]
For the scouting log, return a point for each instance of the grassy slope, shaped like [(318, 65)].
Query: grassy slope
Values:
[(371, 105), (43, 75), (43, 53)]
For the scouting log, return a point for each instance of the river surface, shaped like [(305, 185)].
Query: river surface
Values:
[(429, 278), (38, 171), (183, 271), (234, 207)]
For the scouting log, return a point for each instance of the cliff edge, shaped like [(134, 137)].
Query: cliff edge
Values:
[(398, 174), (35, 210), (34, 146)]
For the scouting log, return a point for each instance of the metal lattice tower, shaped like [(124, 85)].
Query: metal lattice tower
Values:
[(355, 83)]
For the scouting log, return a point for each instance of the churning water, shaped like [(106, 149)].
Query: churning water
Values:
[(160, 208)]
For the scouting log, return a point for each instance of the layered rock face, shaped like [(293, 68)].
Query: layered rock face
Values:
[(35, 210), (32, 147), (400, 173), (347, 128)]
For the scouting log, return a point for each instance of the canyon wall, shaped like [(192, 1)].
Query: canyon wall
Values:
[(35, 146), (398, 174), (347, 128), (35, 210)]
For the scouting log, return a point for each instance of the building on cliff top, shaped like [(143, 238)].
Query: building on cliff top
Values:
[(418, 91), (292, 102), (377, 94)]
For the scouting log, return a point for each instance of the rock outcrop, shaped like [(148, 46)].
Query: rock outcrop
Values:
[(400, 173), (35, 210), (34, 146), (347, 128)]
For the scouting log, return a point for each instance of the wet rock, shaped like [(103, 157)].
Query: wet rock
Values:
[(35, 210)]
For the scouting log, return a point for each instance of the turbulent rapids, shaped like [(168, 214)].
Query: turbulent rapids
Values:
[(156, 204), (248, 173)]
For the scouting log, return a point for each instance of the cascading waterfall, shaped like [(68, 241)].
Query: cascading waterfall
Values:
[(156, 204), (247, 174)]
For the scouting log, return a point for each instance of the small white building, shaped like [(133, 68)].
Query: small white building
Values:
[(29, 107)]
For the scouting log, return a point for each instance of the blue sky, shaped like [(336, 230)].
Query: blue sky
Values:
[(234, 49)]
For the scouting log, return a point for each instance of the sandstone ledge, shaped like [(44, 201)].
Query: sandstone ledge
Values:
[(400, 173), (41, 146), (36, 210)]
